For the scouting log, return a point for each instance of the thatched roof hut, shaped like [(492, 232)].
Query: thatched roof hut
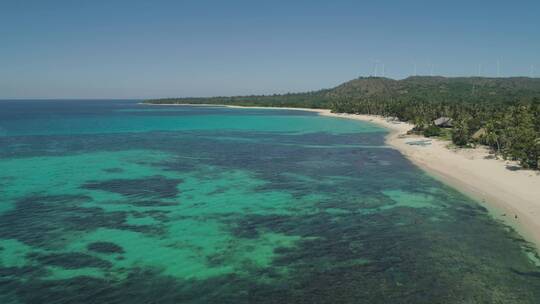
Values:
[(443, 122)]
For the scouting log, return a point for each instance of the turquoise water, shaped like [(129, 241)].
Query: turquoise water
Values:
[(115, 202)]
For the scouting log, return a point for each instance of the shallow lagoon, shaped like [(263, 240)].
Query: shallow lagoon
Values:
[(115, 202)]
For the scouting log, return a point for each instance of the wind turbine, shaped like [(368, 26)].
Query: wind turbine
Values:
[(498, 68), (531, 72), (376, 67)]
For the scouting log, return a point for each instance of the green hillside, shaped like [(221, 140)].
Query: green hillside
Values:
[(431, 89)]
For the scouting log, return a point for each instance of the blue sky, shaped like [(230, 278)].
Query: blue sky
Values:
[(141, 49)]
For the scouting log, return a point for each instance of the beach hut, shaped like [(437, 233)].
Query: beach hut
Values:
[(443, 122)]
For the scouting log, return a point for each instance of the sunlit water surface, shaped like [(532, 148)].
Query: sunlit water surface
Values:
[(115, 202)]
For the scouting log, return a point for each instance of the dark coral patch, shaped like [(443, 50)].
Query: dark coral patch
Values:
[(153, 203), (150, 187), (41, 221), (141, 287), (35, 219), (105, 247), (73, 260), (113, 170)]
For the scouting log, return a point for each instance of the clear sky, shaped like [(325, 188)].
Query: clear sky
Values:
[(140, 49)]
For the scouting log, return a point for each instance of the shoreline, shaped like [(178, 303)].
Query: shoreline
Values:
[(511, 195)]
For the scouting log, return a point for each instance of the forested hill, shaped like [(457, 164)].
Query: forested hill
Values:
[(420, 88), (503, 113), (442, 89)]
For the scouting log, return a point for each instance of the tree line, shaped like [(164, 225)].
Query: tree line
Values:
[(512, 130)]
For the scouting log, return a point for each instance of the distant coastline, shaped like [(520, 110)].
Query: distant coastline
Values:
[(512, 196)]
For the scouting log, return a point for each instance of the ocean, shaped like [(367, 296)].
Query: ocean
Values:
[(111, 201)]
